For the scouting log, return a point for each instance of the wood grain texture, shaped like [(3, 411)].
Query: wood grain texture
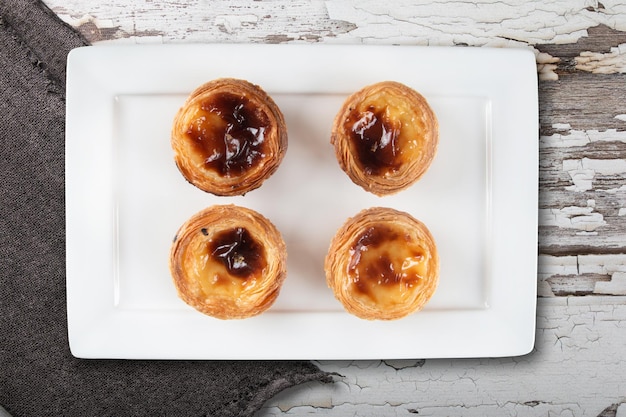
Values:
[(602, 274), (580, 46), (582, 194), (440, 22), (582, 101), (577, 356), (201, 21), (599, 38), (582, 164)]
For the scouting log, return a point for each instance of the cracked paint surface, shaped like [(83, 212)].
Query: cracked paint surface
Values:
[(581, 275), (479, 23), (583, 171), (582, 189), (580, 49), (203, 21), (549, 381)]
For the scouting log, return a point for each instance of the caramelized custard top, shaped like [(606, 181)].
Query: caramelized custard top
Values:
[(229, 132), (238, 251), (385, 132), (386, 264), (374, 137), (227, 262)]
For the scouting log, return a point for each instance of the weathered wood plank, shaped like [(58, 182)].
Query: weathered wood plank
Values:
[(577, 369), (599, 39), (581, 192), (601, 274), (478, 23), (583, 151), (583, 101), (201, 21)]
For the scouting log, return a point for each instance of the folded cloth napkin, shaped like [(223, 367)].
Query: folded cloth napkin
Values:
[(38, 375)]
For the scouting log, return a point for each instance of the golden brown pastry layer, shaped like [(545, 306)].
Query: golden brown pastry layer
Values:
[(382, 264), (228, 262), (385, 137), (228, 137)]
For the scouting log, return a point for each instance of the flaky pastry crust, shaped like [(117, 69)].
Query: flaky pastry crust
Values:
[(382, 264), (385, 137), (228, 137), (228, 262)]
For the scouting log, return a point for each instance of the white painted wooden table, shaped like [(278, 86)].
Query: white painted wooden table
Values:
[(578, 367)]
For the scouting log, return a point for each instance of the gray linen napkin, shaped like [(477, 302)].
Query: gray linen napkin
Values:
[(38, 375)]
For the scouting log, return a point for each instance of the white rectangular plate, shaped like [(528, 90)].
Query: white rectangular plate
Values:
[(125, 200)]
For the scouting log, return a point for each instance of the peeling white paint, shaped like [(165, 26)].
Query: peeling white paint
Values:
[(573, 139), (579, 218), (617, 285), (562, 126), (576, 344), (602, 264), (438, 22), (77, 21), (548, 265), (474, 23), (546, 66), (583, 171), (230, 23), (619, 189), (544, 289), (601, 166), (603, 63), (577, 138), (560, 273), (582, 179)]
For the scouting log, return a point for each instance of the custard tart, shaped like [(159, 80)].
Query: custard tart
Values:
[(228, 137), (385, 137), (228, 262), (382, 264)]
